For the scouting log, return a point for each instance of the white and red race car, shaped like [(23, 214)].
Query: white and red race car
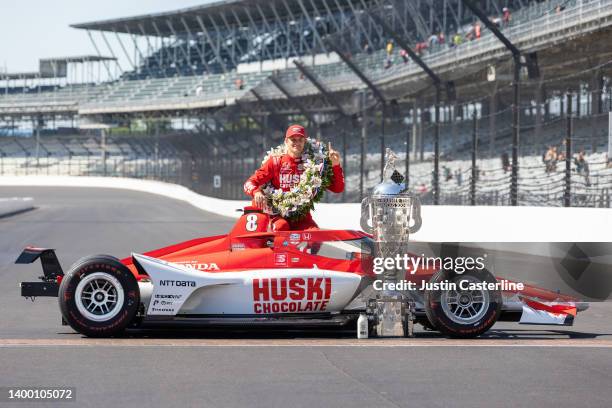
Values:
[(253, 276)]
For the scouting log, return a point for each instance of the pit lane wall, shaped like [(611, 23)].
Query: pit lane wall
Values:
[(440, 223)]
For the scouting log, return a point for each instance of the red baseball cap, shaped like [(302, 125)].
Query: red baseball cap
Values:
[(295, 130)]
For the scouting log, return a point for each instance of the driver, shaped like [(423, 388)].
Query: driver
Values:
[(284, 172)]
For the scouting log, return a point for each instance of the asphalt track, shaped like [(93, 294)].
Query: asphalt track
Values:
[(512, 366)]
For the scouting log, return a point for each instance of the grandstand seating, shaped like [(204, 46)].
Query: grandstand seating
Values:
[(217, 88), (136, 157)]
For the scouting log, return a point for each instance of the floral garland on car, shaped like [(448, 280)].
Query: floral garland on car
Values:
[(316, 177)]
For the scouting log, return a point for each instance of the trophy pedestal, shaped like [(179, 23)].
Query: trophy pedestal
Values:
[(391, 316)]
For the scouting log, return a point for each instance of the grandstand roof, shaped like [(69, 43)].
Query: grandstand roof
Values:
[(80, 58), (236, 12), (19, 75)]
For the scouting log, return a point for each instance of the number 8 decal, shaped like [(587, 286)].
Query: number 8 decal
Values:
[(251, 224)]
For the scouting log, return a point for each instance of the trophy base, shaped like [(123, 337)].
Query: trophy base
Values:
[(392, 316)]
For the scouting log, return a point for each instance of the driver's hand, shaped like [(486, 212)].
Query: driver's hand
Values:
[(334, 156), (260, 200)]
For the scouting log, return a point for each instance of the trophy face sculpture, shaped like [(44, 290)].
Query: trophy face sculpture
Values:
[(390, 213)]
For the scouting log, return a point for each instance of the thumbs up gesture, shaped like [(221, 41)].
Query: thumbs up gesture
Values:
[(334, 156)]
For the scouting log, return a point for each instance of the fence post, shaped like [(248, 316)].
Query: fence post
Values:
[(344, 160), (407, 172), (568, 153), (103, 148), (474, 152), (364, 135)]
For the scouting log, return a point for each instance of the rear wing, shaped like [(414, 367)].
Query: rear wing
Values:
[(52, 272)]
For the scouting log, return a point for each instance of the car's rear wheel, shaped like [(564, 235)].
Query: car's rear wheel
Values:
[(426, 324), (99, 296), (463, 313)]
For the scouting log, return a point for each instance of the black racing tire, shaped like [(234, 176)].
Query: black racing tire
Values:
[(99, 296), (446, 312), (427, 324)]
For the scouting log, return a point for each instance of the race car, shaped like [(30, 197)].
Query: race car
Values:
[(254, 276)]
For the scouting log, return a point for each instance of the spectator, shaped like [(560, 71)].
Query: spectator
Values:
[(447, 173), (582, 167), (505, 162), (496, 21), (470, 34), (422, 189), (579, 162), (420, 47), (388, 63), (404, 55), (459, 177), (457, 40), (561, 151), (476, 30), (560, 156), (389, 48), (433, 40), (199, 90), (550, 159), (559, 9), (367, 49), (239, 83), (441, 38), (506, 16)]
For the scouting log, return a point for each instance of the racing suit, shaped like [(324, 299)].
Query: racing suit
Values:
[(284, 172)]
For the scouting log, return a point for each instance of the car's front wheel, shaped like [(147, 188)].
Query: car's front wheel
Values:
[(99, 296)]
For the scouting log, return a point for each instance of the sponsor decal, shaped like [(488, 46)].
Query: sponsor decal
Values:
[(295, 259), (156, 309), (280, 259), (291, 295), (239, 246), (168, 296), (167, 282), (294, 238), (289, 180), (199, 266), (249, 187), (306, 236), (285, 166), (163, 302)]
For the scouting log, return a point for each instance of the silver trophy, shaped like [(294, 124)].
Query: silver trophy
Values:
[(390, 213)]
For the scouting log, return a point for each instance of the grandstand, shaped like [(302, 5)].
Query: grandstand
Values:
[(221, 81)]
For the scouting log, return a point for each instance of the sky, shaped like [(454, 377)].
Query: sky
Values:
[(33, 29)]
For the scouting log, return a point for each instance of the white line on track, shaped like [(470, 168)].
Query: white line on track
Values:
[(371, 343)]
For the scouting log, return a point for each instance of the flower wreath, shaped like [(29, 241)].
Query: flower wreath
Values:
[(316, 177)]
